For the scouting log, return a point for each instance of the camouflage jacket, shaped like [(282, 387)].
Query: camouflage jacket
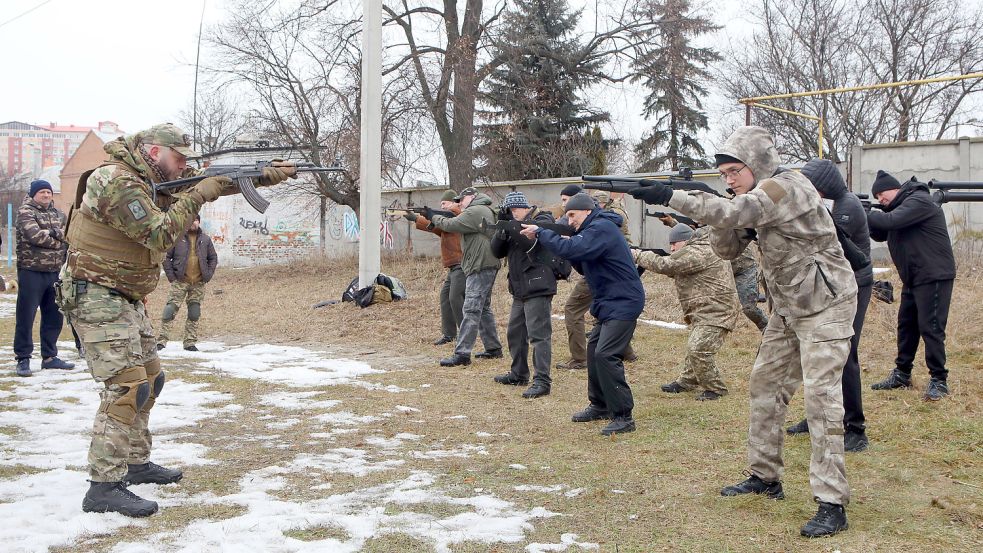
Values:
[(804, 269), (745, 261), (605, 201), (40, 237), (119, 196), (704, 282)]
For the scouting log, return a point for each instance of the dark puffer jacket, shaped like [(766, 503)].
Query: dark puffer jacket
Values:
[(41, 242), (530, 274), (176, 260), (848, 212), (914, 227), (600, 252)]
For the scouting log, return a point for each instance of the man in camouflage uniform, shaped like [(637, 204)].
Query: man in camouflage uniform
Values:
[(188, 265), (814, 295), (117, 235), (705, 286), (579, 301)]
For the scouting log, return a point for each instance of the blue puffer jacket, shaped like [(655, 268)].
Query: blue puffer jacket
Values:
[(600, 253)]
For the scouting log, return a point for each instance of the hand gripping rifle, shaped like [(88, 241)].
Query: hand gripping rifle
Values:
[(242, 175), (678, 217), (514, 227)]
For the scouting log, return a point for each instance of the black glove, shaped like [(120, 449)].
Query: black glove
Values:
[(411, 217), (655, 193), (504, 214), (427, 213)]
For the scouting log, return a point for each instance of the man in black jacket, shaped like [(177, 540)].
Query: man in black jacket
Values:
[(848, 214), (915, 230), (189, 265), (532, 285)]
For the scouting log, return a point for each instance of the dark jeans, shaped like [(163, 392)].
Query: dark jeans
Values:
[(606, 384), (923, 313), (853, 405), (530, 323), (452, 301), (36, 289)]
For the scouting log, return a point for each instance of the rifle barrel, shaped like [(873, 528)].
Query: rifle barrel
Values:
[(945, 185)]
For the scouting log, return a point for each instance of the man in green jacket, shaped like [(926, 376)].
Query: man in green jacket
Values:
[(480, 268)]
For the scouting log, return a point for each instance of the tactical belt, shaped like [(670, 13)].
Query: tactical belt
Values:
[(82, 287)]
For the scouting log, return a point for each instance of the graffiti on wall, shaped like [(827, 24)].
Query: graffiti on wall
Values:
[(258, 227), (350, 222)]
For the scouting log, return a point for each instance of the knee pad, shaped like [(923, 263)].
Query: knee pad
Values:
[(194, 311), (135, 392), (155, 376), (170, 310)]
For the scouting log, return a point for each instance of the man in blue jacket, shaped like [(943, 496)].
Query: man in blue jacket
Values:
[(599, 251)]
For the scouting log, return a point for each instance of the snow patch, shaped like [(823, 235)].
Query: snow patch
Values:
[(566, 540)]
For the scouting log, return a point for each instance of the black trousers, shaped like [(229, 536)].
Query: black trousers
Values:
[(923, 313), (853, 405), (36, 289), (606, 384)]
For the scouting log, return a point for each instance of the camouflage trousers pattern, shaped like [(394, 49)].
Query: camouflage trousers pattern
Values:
[(699, 367), (182, 292), (121, 354), (810, 351), (747, 293)]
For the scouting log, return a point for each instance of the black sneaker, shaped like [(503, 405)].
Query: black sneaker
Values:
[(708, 395), (443, 340), (830, 519), (113, 497), (455, 360), (590, 413), (673, 388), (536, 390), (489, 354), (24, 367), (511, 380), (896, 379), (937, 389), (755, 485), (619, 425), (56, 363), (801, 428), (151, 473), (192, 347), (855, 442)]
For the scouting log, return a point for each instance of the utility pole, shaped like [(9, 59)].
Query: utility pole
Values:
[(370, 159)]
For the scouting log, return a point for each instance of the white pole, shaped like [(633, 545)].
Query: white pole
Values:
[(370, 163)]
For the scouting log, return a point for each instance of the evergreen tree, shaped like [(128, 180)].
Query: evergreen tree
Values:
[(674, 72), (536, 121)]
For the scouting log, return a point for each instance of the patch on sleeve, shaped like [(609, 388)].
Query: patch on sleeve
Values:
[(773, 190), (137, 210)]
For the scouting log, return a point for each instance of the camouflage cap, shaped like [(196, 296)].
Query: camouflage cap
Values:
[(469, 191), (169, 135)]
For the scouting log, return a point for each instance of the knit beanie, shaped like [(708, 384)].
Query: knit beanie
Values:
[(720, 159), (680, 233), (580, 201), (515, 199), (884, 182), (571, 190), (824, 175), (39, 185), (449, 196)]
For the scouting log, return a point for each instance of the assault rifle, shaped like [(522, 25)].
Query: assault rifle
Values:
[(401, 211), (943, 193), (243, 175), (681, 218), (512, 226), (683, 180)]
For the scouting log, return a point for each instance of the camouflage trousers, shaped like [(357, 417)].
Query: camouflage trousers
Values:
[(121, 354), (810, 351), (182, 292), (699, 368), (747, 292)]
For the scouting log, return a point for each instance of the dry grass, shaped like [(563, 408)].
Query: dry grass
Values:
[(917, 488)]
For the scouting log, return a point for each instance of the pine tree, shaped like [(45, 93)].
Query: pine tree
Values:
[(536, 121), (673, 71)]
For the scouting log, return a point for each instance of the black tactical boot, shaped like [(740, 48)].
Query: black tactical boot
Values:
[(937, 389), (896, 379), (443, 340), (151, 473), (855, 442), (708, 395), (113, 497), (755, 485), (619, 425), (830, 519), (161, 346), (455, 360), (191, 347), (801, 428), (510, 380), (536, 390), (591, 413), (489, 354), (673, 388)]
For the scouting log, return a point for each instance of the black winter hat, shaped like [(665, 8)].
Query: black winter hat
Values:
[(720, 159), (38, 186), (825, 177), (580, 201), (571, 190), (884, 182)]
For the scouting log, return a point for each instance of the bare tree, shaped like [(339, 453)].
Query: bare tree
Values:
[(219, 121)]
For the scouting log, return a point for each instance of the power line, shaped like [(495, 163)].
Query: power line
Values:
[(16, 17)]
